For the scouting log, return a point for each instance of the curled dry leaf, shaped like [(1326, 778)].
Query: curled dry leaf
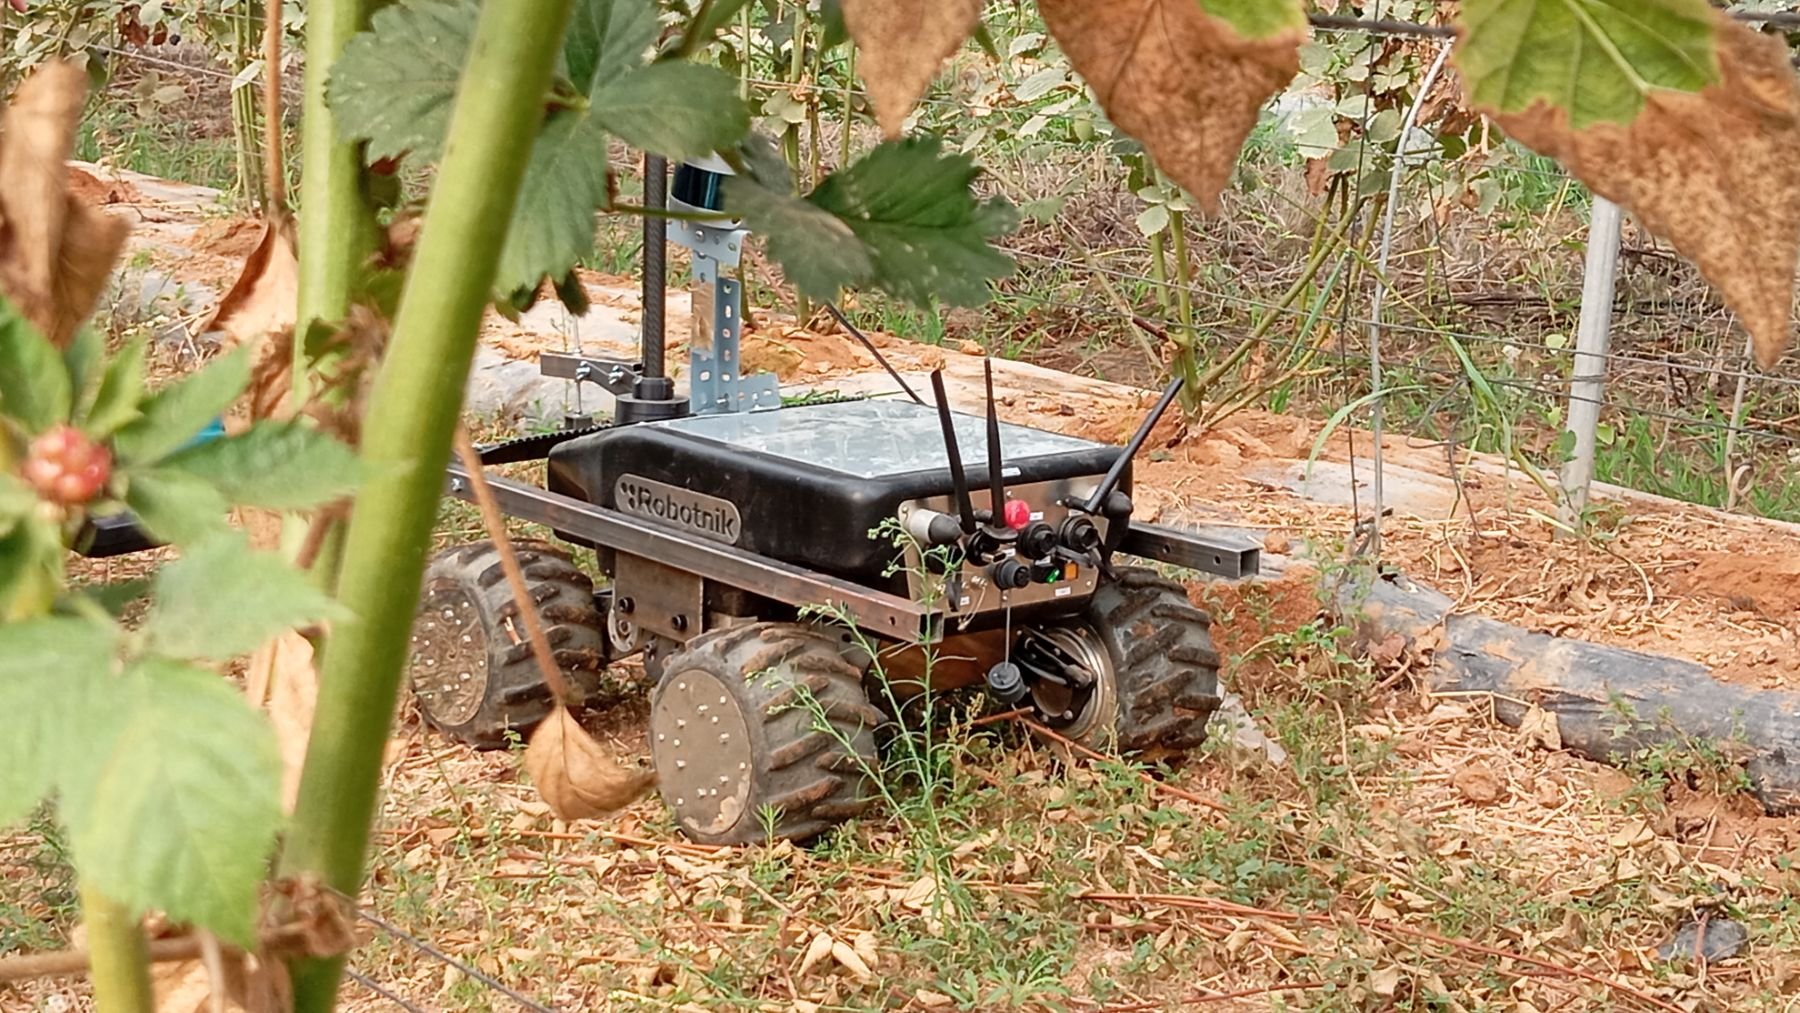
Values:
[(263, 299), (900, 45), (282, 678), (56, 251), (817, 950), (1714, 172), (576, 777), (847, 958), (1184, 82), (1540, 727)]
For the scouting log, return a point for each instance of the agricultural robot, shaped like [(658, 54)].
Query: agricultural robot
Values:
[(770, 564)]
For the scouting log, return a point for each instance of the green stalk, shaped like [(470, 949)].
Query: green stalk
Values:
[(1159, 269), (119, 958), (413, 410), (1185, 360), (337, 232), (749, 52), (848, 118)]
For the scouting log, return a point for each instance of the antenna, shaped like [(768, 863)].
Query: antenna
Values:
[(996, 484), (959, 479), (1114, 473)]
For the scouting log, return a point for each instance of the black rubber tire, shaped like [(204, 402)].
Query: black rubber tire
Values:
[(1165, 668), (815, 779), (464, 624)]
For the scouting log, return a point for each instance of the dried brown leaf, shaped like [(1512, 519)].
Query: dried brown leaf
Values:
[(1540, 727), (263, 300), (56, 252), (817, 950), (851, 961), (282, 677), (577, 777), (1713, 172), (900, 45), (1181, 81)]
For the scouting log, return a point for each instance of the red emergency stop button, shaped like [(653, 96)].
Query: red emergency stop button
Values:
[(1016, 514)]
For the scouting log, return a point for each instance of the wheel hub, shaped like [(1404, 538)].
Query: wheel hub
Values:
[(700, 742), (449, 657), (1069, 676)]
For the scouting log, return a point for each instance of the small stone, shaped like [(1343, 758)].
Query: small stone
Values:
[(1478, 783), (1711, 939)]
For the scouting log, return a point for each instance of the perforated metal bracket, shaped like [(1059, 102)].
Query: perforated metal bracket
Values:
[(716, 383)]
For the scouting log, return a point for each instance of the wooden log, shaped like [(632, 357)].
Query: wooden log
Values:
[(1609, 702)]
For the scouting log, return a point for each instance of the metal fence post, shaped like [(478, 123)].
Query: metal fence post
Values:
[(1587, 383)]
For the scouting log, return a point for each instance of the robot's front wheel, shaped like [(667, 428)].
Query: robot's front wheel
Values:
[(1146, 654), (762, 731), (472, 673)]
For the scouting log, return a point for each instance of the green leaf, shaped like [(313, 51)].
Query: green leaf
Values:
[(31, 569), (49, 671), (175, 804), (278, 465), (1153, 219), (818, 253), (682, 110), (17, 501), (34, 380), (395, 84), (121, 390), (927, 235), (112, 599), (553, 222), (1595, 59), (178, 412), (1258, 19), (83, 358), (175, 507), (606, 38), (221, 599)]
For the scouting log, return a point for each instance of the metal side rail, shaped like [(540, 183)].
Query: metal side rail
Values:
[(875, 611), (1222, 554)]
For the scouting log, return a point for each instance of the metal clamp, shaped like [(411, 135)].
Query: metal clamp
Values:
[(618, 378)]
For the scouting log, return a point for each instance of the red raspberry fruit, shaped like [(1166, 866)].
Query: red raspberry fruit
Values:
[(66, 467)]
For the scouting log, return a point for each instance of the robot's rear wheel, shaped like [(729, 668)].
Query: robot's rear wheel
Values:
[(762, 731), (472, 673)]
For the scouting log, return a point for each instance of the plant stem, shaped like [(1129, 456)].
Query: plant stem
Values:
[(412, 412), (119, 957), (847, 121), (1185, 361), (338, 230)]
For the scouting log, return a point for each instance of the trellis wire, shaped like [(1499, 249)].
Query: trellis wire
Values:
[(1509, 383), (474, 973), (383, 991), (1420, 329)]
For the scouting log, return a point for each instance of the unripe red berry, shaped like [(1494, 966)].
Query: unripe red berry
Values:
[(66, 467)]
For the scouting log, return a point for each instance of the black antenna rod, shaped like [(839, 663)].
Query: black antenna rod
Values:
[(959, 479), (996, 483), (1117, 471), (838, 315)]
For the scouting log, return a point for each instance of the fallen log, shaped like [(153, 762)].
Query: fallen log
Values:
[(1609, 702)]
